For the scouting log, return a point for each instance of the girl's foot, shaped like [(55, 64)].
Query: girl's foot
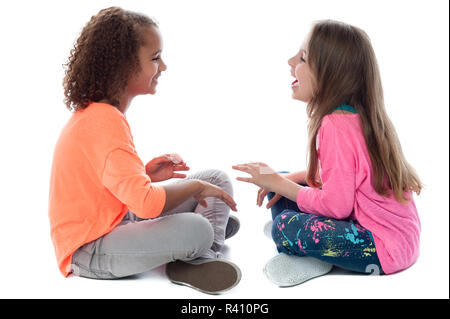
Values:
[(210, 276), (288, 270), (268, 229)]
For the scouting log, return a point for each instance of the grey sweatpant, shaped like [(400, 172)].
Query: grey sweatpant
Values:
[(137, 245)]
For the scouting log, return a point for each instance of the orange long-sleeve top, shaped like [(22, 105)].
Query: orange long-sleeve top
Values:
[(96, 177)]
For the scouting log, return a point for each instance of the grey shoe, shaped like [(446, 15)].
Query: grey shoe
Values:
[(287, 270), (233, 226), (268, 229), (210, 276)]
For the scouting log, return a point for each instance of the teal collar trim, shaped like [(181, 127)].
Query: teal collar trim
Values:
[(346, 107)]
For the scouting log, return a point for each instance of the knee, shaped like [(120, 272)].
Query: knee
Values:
[(219, 178), (282, 221), (199, 232), (285, 215)]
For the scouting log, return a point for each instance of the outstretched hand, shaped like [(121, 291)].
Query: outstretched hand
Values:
[(164, 167), (261, 175), (268, 180), (210, 190)]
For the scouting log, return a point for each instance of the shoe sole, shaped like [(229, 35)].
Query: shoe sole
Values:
[(210, 276)]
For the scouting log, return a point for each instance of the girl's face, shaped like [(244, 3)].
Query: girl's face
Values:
[(302, 87), (151, 64)]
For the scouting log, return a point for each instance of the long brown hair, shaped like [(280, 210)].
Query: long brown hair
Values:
[(345, 70), (104, 57)]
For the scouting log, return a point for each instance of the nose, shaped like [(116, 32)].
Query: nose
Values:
[(291, 62), (292, 65), (162, 66)]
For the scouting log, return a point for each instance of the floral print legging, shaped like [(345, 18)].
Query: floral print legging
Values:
[(343, 243)]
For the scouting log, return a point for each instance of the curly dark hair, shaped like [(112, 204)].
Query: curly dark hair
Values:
[(104, 57)]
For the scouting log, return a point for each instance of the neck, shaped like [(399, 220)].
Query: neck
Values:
[(123, 104)]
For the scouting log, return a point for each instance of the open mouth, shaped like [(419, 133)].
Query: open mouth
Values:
[(295, 83)]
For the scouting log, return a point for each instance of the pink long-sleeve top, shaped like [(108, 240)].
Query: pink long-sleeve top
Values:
[(347, 193)]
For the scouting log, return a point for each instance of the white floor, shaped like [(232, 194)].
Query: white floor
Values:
[(33, 273)]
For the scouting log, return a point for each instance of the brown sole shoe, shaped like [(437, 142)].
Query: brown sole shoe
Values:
[(211, 276)]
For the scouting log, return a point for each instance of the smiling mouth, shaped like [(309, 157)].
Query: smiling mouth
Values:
[(295, 83)]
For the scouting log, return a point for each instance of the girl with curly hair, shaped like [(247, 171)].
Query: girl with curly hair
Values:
[(353, 206), (108, 218)]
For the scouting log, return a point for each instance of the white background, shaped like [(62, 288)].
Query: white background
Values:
[(224, 99)]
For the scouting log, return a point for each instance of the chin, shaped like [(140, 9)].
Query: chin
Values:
[(151, 91), (301, 99)]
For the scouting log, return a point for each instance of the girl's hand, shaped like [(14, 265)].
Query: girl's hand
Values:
[(262, 175), (210, 190), (297, 177), (164, 167), (262, 193)]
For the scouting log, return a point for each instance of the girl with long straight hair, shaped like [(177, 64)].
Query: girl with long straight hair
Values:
[(353, 205)]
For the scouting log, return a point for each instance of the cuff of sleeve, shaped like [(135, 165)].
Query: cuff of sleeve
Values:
[(158, 202)]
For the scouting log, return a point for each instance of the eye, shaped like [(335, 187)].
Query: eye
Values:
[(156, 59), (301, 59)]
